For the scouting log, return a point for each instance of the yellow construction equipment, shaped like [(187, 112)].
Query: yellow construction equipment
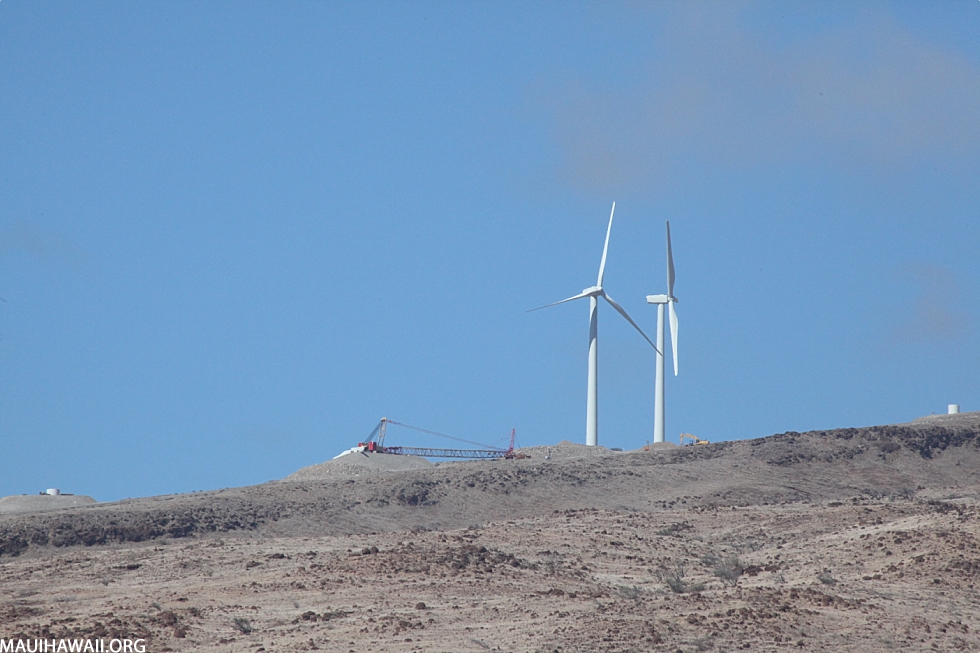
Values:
[(693, 438)]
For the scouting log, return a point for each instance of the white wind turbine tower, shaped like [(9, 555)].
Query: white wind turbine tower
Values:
[(593, 293), (660, 301)]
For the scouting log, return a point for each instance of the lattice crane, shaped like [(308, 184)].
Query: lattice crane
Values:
[(375, 443)]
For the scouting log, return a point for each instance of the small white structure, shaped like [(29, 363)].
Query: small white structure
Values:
[(53, 491), (954, 409)]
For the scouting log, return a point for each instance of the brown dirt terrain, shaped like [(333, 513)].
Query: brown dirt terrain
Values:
[(844, 540)]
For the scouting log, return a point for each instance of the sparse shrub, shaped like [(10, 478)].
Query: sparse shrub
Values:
[(703, 644), (904, 494), (825, 578), (674, 530), (242, 625), (676, 585), (551, 564), (729, 570), (749, 545), (630, 592), (675, 579)]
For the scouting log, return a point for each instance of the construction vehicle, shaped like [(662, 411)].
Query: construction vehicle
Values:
[(375, 443), (695, 440)]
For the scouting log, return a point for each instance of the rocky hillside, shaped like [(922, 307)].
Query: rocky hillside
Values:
[(881, 461)]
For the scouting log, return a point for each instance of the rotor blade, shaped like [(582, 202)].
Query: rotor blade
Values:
[(578, 296), (670, 265), (673, 333), (605, 248), (629, 319)]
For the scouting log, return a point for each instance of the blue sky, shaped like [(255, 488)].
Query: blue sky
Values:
[(235, 235)]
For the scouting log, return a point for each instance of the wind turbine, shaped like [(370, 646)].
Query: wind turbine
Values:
[(660, 301), (594, 293)]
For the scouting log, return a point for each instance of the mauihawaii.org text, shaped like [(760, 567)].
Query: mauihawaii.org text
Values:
[(72, 646)]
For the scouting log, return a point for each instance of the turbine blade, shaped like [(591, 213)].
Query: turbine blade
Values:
[(605, 248), (629, 319), (673, 333), (670, 265), (578, 296)]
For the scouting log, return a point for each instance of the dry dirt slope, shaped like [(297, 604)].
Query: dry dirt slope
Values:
[(855, 539)]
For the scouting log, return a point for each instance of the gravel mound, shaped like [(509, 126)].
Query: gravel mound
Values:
[(565, 450), (359, 464), (660, 446)]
